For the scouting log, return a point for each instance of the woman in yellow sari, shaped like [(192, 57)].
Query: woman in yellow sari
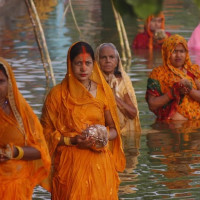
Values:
[(110, 64), (83, 99), (173, 90), (24, 157)]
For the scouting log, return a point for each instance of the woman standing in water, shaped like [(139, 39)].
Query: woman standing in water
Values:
[(83, 105), (24, 157), (173, 89), (154, 33), (110, 64)]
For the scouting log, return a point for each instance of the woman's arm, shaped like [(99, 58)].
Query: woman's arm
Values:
[(155, 103), (79, 140), (19, 153), (195, 94), (30, 153), (110, 123), (126, 106)]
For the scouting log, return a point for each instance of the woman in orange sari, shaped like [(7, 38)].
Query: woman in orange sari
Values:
[(154, 33), (24, 157), (81, 101), (173, 90)]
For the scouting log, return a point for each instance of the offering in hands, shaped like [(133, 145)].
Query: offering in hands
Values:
[(6, 151), (159, 34), (99, 133)]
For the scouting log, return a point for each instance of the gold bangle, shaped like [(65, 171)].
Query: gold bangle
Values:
[(20, 154), (67, 141)]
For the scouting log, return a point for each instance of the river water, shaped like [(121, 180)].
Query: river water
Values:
[(164, 161)]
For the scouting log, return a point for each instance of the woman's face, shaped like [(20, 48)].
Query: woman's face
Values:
[(155, 24), (3, 86), (82, 66), (178, 56), (107, 59)]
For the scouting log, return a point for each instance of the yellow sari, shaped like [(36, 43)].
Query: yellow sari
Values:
[(22, 128), (68, 110), (127, 126)]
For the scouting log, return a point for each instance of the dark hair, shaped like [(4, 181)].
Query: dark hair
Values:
[(78, 49), (3, 70)]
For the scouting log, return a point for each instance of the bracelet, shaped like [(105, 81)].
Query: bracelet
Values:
[(67, 141), (20, 154)]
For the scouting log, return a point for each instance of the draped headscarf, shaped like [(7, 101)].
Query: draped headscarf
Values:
[(26, 122), (147, 27), (71, 93), (167, 50), (164, 77), (128, 85)]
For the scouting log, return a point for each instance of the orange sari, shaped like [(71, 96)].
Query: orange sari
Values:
[(147, 28), (68, 110), (22, 128), (164, 78)]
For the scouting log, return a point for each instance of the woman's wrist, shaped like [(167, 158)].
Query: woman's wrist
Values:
[(18, 153), (70, 141)]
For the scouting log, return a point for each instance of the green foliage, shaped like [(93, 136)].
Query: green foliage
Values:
[(197, 2), (122, 7), (140, 8)]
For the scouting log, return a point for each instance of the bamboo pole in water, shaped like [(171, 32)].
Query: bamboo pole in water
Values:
[(69, 5), (73, 15), (126, 52), (43, 41), (127, 46), (65, 12), (119, 31), (38, 41)]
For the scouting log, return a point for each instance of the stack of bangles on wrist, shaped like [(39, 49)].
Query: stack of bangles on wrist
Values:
[(20, 153)]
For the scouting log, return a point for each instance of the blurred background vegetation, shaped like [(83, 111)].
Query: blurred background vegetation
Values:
[(141, 8)]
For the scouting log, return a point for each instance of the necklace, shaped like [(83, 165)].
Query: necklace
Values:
[(89, 85)]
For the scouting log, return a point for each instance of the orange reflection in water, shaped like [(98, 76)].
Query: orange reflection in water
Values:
[(177, 146)]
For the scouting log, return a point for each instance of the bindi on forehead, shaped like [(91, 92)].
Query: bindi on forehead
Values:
[(84, 54)]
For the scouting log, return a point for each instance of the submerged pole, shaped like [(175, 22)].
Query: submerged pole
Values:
[(43, 40)]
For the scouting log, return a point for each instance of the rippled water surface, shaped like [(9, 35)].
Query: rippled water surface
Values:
[(162, 163)]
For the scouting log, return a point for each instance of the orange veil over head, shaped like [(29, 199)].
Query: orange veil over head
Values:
[(21, 128), (164, 77), (147, 27), (74, 93)]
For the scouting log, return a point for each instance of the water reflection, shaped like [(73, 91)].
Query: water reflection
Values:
[(163, 162), (175, 152), (131, 145)]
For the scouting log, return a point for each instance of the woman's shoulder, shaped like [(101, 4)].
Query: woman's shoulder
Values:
[(54, 92), (168, 34), (157, 71)]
